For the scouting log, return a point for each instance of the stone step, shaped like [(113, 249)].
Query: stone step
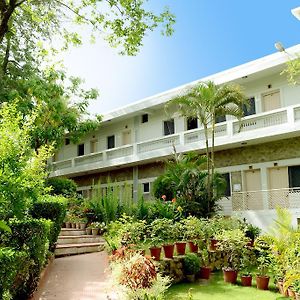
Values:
[(72, 231), (79, 239), (71, 249)]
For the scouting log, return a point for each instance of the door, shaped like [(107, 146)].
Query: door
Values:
[(278, 180), (126, 137), (93, 146), (271, 101), (253, 199)]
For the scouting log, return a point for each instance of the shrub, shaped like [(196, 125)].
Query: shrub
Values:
[(31, 235), (191, 263), (62, 186), (52, 208), (14, 270)]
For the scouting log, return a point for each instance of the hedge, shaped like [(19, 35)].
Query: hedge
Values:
[(14, 272), (32, 236), (62, 186), (52, 208)]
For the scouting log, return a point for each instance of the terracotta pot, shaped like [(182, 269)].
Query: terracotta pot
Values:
[(246, 280), (205, 272), (281, 289), (95, 231), (291, 293), (88, 231), (193, 247), (213, 244), (82, 226), (77, 225), (180, 248), (73, 225), (297, 296), (230, 276), (262, 282), (155, 253), (190, 278), (68, 225), (169, 251)]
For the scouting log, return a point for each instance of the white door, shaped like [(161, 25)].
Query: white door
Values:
[(126, 137), (254, 199), (271, 101)]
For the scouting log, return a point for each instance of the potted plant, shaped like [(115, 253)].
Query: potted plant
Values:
[(296, 288), (292, 283), (193, 232), (248, 260), (154, 238), (264, 261), (232, 243), (205, 269), (95, 228), (252, 232), (180, 244), (191, 266), (88, 230), (82, 223)]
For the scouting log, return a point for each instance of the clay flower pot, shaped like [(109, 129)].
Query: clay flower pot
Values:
[(193, 247), (262, 282), (246, 280), (169, 251), (230, 276), (205, 272), (73, 225), (155, 253), (95, 231), (180, 248), (68, 225), (88, 231), (82, 226), (281, 289)]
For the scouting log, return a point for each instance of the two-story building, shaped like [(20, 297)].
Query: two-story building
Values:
[(261, 161)]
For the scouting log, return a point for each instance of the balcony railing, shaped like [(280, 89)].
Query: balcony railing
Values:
[(278, 121), (266, 199)]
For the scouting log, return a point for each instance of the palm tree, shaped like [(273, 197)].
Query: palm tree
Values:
[(206, 102)]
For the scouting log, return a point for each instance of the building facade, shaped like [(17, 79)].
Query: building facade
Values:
[(260, 156)]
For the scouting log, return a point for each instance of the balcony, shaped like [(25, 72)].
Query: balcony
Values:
[(259, 127)]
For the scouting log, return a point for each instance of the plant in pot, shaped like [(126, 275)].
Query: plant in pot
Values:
[(82, 223), (95, 228), (205, 269), (191, 266), (67, 221), (163, 228), (231, 243), (248, 261), (252, 232), (264, 261), (292, 283), (154, 239), (88, 230), (296, 288), (180, 244), (193, 232)]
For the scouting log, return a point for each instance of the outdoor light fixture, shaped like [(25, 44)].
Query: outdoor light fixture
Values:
[(296, 12), (279, 47)]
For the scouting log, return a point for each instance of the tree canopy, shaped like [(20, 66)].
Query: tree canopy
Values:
[(32, 32)]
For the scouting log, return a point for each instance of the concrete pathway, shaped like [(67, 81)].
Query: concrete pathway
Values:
[(78, 277)]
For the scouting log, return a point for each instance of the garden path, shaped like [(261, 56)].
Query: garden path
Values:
[(78, 277)]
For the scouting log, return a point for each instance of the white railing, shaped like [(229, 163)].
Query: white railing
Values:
[(165, 142), (262, 121), (119, 152), (88, 159), (266, 199), (231, 130)]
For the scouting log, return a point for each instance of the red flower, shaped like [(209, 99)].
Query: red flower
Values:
[(174, 200), (164, 197)]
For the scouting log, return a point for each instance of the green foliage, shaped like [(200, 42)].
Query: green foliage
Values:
[(22, 170), (191, 263), (4, 227), (265, 257), (62, 186), (14, 270), (161, 230), (292, 70), (32, 236), (52, 208)]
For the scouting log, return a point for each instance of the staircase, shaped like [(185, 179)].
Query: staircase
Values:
[(76, 241)]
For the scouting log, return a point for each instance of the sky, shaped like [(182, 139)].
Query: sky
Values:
[(210, 36)]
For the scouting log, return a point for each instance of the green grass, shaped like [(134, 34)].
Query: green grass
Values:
[(217, 289)]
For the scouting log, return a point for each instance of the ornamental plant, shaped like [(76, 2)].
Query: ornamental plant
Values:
[(265, 257), (191, 263), (193, 228), (232, 243), (163, 230)]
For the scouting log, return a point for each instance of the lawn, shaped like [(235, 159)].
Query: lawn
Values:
[(216, 289)]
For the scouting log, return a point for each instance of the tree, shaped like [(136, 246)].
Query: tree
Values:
[(185, 180), (27, 73), (207, 102), (22, 170)]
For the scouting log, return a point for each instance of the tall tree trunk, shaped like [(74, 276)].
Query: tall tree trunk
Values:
[(212, 153), (6, 56), (6, 10), (208, 167)]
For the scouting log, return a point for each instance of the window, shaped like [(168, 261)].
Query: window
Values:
[(248, 111), (67, 141), (145, 118), (146, 187), (111, 142), (220, 119), (294, 176), (80, 150), (169, 127), (192, 123), (228, 187)]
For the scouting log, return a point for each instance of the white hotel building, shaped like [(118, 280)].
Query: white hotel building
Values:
[(261, 161)]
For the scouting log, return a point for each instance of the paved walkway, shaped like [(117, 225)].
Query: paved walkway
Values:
[(78, 277)]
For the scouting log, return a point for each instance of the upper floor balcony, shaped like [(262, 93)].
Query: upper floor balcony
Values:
[(262, 127)]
